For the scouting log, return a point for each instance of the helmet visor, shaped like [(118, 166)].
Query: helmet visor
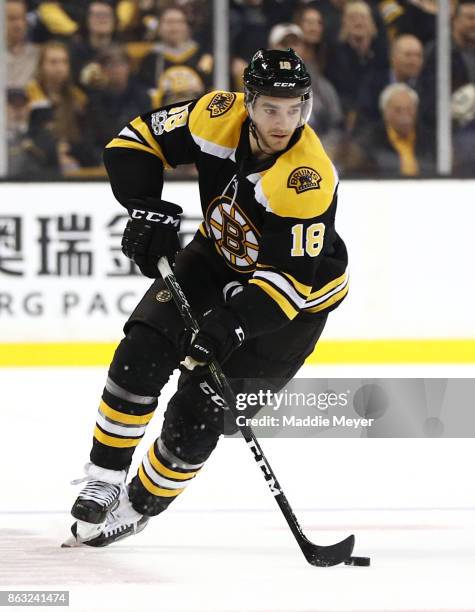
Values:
[(306, 103)]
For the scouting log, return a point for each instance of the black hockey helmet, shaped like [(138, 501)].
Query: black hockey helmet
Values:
[(278, 73)]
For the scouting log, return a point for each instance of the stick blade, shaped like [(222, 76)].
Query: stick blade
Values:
[(327, 556)]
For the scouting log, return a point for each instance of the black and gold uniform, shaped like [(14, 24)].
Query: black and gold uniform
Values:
[(269, 226), (267, 247)]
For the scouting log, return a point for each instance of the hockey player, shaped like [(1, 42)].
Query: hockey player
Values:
[(262, 272)]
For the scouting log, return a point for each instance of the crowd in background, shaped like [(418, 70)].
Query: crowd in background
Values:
[(77, 72)]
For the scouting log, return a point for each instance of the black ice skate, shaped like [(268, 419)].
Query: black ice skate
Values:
[(94, 502), (122, 521)]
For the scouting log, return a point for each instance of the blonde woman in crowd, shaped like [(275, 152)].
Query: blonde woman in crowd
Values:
[(57, 120)]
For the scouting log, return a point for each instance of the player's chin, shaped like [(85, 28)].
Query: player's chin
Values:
[(278, 144)]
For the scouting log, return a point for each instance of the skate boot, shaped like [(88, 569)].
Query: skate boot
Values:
[(122, 521), (93, 503)]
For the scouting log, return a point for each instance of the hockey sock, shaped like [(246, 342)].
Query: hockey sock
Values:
[(141, 366), (161, 477)]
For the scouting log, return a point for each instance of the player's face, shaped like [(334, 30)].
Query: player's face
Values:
[(276, 120)]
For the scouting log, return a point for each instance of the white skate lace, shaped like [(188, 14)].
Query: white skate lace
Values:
[(100, 492)]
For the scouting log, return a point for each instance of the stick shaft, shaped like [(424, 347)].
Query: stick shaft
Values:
[(228, 395)]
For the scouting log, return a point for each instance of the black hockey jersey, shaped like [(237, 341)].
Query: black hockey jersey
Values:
[(269, 225)]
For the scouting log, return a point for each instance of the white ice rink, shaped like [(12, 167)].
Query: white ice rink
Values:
[(224, 546)]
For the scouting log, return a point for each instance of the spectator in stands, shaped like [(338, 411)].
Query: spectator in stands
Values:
[(463, 114), (199, 17), (249, 30), (416, 17), (314, 49), (332, 12), (176, 69), (406, 60), (57, 121), (119, 100), (22, 162), (57, 19), (137, 20), (96, 34), (462, 59), (397, 145), (358, 52), (327, 116), (22, 56)]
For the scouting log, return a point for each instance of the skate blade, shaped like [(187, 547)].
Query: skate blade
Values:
[(72, 542), (82, 532)]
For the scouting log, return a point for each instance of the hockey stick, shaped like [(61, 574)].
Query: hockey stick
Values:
[(321, 556)]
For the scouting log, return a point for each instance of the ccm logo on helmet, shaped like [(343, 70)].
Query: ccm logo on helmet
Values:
[(284, 84), (154, 216)]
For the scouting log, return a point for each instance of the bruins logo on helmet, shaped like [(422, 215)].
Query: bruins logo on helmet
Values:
[(303, 179), (221, 103), (236, 238)]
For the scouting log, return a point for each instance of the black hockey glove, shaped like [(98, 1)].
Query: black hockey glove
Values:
[(151, 233), (220, 334)]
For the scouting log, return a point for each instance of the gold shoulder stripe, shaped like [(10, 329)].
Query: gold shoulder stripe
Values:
[(283, 302), (302, 182), (219, 124)]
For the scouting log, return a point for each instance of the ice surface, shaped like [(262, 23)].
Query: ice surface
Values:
[(223, 546)]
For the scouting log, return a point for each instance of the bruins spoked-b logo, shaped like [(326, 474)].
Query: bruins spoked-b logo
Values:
[(235, 237), (303, 179), (164, 296), (221, 103)]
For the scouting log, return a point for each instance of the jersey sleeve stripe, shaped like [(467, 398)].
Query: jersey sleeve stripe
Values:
[(300, 287), (283, 285), (122, 143), (323, 291), (142, 128), (332, 300), (288, 308), (328, 295)]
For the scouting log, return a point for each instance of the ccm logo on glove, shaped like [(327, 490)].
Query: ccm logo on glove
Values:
[(156, 217)]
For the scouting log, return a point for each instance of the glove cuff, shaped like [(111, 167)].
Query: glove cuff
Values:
[(156, 211)]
